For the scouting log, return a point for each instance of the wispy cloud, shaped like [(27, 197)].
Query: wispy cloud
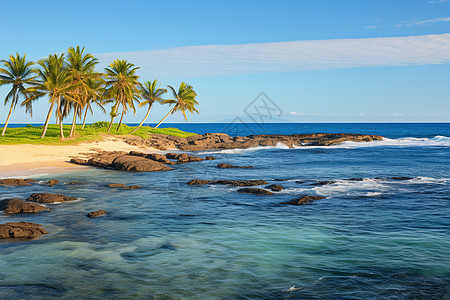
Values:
[(295, 113), (424, 22), (218, 60), (437, 1)]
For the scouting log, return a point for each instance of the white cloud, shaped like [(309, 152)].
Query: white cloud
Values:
[(424, 22), (437, 1), (217, 60), (294, 113)]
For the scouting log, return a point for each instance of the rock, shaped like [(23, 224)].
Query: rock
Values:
[(228, 166), (74, 183), (198, 182), (159, 158), (356, 179), (275, 187), (280, 179), (104, 159), (303, 200), (97, 213), (210, 158), (115, 185), (400, 178), (17, 206), (20, 230), (79, 161), (183, 158), (324, 182), (299, 182), (131, 187), (173, 155), (240, 182), (52, 182), (255, 191), (137, 153), (16, 181), (138, 164), (50, 198)]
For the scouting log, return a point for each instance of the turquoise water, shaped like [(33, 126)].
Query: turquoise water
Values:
[(378, 238)]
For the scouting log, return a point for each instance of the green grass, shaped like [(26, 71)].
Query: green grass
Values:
[(97, 131)]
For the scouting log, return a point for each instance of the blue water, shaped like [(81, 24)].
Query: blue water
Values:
[(373, 239)]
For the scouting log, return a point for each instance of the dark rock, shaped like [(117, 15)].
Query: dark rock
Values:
[(79, 161), (20, 230), (115, 185), (356, 179), (50, 198), (97, 213), (52, 182), (324, 182), (240, 182), (184, 158), (173, 155), (74, 183), (299, 182), (255, 191), (138, 164), (400, 178), (303, 200), (137, 153), (17, 206), (275, 187), (280, 179), (131, 187), (16, 181), (210, 158), (159, 158), (104, 159), (198, 182), (228, 166)]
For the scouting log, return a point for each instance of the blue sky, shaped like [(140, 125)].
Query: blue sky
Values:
[(318, 60)]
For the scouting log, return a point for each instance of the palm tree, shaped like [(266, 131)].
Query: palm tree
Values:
[(184, 100), (96, 91), (122, 85), (17, 71), (81, 67), (55, 82), (151, 93), (113, 114)]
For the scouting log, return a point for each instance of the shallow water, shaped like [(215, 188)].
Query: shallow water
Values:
[(378, 238)]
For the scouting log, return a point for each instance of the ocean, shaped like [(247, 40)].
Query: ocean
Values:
[(373, 238)]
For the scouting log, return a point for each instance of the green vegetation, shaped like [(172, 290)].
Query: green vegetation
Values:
[(97, 131), (71, 85)]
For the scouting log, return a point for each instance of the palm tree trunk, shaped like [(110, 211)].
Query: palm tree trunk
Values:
[(121, 118), (110, 125), (61, 131), (74, 120), (145, 118), (170, 111), (9, 114), (85, 114), (48, 119)]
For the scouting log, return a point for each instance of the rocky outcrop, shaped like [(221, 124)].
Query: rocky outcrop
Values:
[(97, 213), (50, 198), (228, 166), (16, 181), (275, 187), (198, 182), (21, 230), (303, 200), (79, 161), (131, 187), (324, 182), (159, 158), (240, 182), (255, 191), (17, 206), (210, 158), (137, 164), (104, 159), (52, 182), (115, 185)]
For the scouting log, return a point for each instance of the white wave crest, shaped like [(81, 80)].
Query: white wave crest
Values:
[(242, 150)]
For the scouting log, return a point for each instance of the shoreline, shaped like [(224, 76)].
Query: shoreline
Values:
[(27, 159)]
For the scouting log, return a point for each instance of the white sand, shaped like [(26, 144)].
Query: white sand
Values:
[(15, 159)]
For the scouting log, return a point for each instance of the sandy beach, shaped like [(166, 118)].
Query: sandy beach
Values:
[(28, 159)]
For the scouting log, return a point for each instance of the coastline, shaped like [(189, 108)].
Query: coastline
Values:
[(26, 159)]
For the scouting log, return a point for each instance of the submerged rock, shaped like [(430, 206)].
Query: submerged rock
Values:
[(115, 185), (131, 187), (275, 187), (228, 166), (52, 182), (21, 230), (255, 191), (303, 200), (210, 158), (17, 206), (73, 183), (324, 182), (16, 181), (400, 178), (198, 182), (97, 213), (50, 198)]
